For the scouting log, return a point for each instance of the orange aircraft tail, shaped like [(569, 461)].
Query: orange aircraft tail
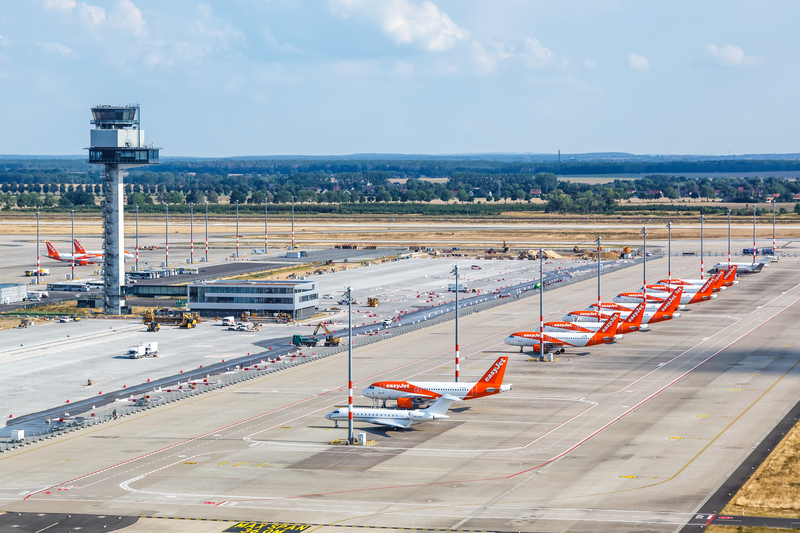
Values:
[(51, 250), (634, 320), (494, 376), (78, 248), (607, 332)]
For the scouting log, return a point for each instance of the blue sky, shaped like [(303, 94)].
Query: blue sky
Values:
[(324, 77)]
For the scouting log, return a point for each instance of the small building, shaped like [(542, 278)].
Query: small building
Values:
[(298, 298), (12, 293)]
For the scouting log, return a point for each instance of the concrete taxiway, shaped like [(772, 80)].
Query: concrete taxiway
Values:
[(627, 437)]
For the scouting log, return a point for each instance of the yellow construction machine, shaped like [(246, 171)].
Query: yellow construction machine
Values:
[(330, 340), (153, 326), (166, 315), (373, 302), (26, 322)]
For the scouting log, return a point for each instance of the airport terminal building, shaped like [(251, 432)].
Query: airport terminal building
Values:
[(299, 298)]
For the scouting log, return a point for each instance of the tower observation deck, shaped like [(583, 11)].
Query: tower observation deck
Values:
[(117, 143)]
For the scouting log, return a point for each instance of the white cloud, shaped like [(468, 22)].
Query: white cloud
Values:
[(58, 48), (638, 62), (423, 25), (127, 16), (60, 5), (730, 56), (535, 54), (94, 14), (589, 64)]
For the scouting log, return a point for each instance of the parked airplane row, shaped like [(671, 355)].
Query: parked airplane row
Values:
[(82, 257), (629, 312), (598, 324)]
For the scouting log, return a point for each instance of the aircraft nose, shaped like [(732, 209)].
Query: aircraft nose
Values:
[(367, 393), (510, 340), (328, 416)]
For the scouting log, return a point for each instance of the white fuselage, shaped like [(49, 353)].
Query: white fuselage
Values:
[(563, 337), (646, 316), (627, 298), (385, 417), (457, 390), (591, 324)]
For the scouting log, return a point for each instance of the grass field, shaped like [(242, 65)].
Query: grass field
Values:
[(774, 488)]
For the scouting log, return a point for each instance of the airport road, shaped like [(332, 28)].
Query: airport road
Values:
[(625, 437)]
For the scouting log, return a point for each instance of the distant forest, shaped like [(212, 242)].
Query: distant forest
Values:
[(393, 186)]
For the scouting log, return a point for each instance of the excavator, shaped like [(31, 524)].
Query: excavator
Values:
[(330, 340)]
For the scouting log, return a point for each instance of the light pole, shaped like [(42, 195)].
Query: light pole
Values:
[(266, 227), (669, 252), (166, 232), (349, 365), (137, 238), (702, 266), (191, 233), (72, 213), (541, 303), (455, 271), (644, 288), (206, 231), (729, 239), (773, 226), (754, 234), (599, 306), (237, 229), (38, 268)]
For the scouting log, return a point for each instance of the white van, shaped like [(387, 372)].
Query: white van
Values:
[(229, 321)]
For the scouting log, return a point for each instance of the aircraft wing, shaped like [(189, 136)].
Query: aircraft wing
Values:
[(402, 424)]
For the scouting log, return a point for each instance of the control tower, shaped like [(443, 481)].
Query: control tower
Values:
[(117, 143)]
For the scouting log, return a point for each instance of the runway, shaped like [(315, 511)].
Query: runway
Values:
[(624, 437)]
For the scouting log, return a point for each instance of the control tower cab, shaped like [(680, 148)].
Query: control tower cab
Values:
[(117, 143)]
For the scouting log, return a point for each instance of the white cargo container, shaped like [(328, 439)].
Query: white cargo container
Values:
[(151, 349), (17, 435)]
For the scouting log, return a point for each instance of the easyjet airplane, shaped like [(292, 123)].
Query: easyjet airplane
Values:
[(702, 295), (666, 311), (79, 249), (727, 280), (412, 394), (559, 340), (80, 259), (632, 322)]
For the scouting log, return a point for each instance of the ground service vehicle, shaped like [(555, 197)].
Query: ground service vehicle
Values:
[(42, 272), (26, 322), (304, 340), (153, 326), (462, 287), (387, 323), (229, 321), (135, 352)]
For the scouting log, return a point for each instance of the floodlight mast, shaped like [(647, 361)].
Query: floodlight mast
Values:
[(117, 143)]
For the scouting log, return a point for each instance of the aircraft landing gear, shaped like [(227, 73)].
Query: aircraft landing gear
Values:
[(521, 350), (336, 423), (384, 404)]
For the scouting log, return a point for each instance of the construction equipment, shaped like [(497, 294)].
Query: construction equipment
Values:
[(42, 272), (505, 246), (285, 317), (373, 302), (153, 326), (330, 340), (167, 315), (26, 322), (304, 340), (188, 321)]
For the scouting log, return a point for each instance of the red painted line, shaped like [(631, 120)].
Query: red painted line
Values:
[(571, 448), (710, 519)]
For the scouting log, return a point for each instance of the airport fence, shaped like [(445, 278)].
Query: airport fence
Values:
[(262, 364)]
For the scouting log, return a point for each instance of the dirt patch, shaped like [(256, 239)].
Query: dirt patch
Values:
[(774, 488)]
